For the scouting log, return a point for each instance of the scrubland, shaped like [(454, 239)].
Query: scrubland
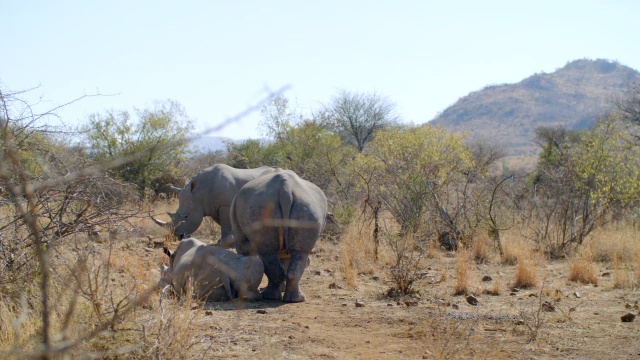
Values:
[(415, 300)]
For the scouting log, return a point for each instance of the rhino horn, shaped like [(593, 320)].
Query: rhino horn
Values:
[(164, 224)]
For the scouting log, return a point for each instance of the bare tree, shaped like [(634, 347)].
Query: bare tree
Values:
[(629, 104), (357, 116), (49, 192)]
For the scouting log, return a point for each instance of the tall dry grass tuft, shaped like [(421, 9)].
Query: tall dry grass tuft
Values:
[(623, 277), (582, 269), (617, 240), (481, 249), (462, 273), (357, 249), (638, 267), (526, 273), (511, 251), (495, 289)]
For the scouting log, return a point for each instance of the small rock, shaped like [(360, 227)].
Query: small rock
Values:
[(548, 307), (375, 278), (306, 326), (576, 294), (513, 294), (335, 286), (486, 278), (629, 317), (389, 304), (368, 342), (208, 312), (343, 304), (398, 303), (411, 303), (515, 289), (291, 337), (520, 322), (472, 300), (261, 311), (359, 303), (628, 306), (533, 295), (605, 274), (455, 306)]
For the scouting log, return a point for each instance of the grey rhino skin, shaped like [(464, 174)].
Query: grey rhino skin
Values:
[(210, 193), (279, 217), (216, 274)]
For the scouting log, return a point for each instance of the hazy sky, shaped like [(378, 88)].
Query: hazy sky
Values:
[(216, 58)]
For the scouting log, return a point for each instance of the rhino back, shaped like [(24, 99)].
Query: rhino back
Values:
[(219, 184), (189, 265), (281, 195)]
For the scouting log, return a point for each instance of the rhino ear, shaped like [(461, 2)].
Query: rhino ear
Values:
[(175, 190), (167, 251), (192, 186)]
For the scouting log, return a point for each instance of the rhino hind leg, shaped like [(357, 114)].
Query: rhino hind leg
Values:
[(296, 268), (276, 276)]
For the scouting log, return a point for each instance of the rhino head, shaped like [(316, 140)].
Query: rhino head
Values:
[(189, 215)]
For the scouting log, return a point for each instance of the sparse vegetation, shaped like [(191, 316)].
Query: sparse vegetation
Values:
[(423, 210), (462, 274), (526, 273), (582, 269)]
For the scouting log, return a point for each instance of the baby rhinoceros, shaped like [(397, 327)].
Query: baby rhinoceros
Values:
[(214, 274)]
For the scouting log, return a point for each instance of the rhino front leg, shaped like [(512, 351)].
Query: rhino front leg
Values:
[(275, 275), (226, 237), (297, 264), (226, 282)]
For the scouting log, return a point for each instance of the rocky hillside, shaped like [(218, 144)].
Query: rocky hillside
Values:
[(573, 96)]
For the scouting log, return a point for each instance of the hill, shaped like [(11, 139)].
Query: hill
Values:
[(573, 96)]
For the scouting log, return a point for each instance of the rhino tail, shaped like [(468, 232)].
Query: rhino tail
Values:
[(286, 202)]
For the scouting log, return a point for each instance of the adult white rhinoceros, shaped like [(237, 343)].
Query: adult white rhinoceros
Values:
[(210, 193), (279, 216), (215, 274)]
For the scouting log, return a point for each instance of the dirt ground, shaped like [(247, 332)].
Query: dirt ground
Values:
[(557, 319)]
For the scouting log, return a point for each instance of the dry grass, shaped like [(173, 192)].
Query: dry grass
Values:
[(638, 266), (582, 268), (495, 289), (357, 249), (481, 249), (618, 240), (100, 285), (526, 273), (623, 277), (511, 251), (462, 273)]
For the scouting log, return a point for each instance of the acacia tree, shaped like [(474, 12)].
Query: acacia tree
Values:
[(357, 116), (580, 178), (307, 146), (161, 133), (412, 167)]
